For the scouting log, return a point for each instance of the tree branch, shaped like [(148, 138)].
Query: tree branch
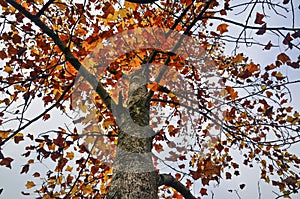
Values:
[(93, 81), (169, 180), (250, 27), (45, 7)]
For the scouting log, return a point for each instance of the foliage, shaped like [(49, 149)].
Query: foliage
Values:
[(59, 52)]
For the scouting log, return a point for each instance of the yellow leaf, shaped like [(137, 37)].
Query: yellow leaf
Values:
[(69, 168), (29, 184), (70, 155), (87, 189), (123, 12), (129, 5), (222, 28), (238, 58), (4, 134), (8, 69)]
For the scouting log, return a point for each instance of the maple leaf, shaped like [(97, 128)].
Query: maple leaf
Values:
[(29, 184), (6, 162), (262, 30), (258, 19), (203, 191), (222, 28)]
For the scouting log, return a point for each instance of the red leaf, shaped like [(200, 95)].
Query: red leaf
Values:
[(47, 99), (203, 191), (46, 116), (262, 30), (258, 19)]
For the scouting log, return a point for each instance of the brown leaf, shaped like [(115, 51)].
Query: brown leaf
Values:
[(258, 19), (6, 162), (287, 41), (25, 168), (228, 175), (262, 30), (268, 46), (286, 1), (242, 186), (283, 58), (294, 64)]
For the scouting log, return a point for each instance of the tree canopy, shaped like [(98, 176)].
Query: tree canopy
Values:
[(153, 104)]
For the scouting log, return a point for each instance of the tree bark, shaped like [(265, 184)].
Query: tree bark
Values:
[(133, 171)]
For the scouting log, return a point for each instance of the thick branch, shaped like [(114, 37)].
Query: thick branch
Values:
[(169, 180), (97, 86)]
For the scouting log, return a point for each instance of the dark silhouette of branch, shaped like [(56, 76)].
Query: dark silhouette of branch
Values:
[(169, 180), (45, 7), (250, 27), (39, 116), (96, 85)]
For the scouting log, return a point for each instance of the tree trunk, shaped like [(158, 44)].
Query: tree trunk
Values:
[(133, 171)]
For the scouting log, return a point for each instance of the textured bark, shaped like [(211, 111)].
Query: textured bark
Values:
[(133, 170)]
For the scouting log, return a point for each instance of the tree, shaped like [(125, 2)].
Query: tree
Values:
[(120, 66)]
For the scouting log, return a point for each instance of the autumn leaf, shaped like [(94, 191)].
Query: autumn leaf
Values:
[(283, 58), (268, 46), (46, 116), (252, 67), (242, 186), (258, 19), (4, 134), (29, 184), (203, 191), (222, 28), (262, 30), (108, 9), (25, 168), (6, 162)]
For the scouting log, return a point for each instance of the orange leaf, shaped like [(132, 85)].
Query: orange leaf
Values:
[(222, 28), (252, 67), (153, 86)]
